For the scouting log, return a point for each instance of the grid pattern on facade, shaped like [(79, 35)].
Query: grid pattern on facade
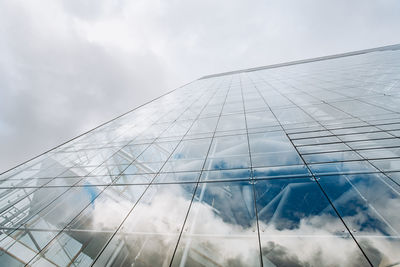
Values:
[(289, 166)]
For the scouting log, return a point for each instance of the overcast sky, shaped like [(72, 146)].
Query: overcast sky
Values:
[(67, 66)]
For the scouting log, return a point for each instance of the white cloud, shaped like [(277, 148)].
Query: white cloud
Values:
[(66, 66)]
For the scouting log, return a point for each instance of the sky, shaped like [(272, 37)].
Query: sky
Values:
[(67, 66)]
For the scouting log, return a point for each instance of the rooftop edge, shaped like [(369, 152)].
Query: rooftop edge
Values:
[(302, 61)]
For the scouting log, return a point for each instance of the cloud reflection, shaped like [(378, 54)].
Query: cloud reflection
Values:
[(213, 236), (221, 226)]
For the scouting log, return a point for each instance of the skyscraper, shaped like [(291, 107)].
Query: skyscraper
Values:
[(294, 164)]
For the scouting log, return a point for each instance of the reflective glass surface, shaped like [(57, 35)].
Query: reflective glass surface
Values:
[(295, 165)]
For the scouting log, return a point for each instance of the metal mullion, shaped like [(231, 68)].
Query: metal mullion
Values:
[(69, 188), (351, 160), (53, 178), (252, 175), (334, 107), (355, 117), (358, 149), (363, 101), (201, 172), (345, 142), (364, 160), (368, 160), (130, 211), (322, 136), (105, 187), (351, 149), (316, 180)]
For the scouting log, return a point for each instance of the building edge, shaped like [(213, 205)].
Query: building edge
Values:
[(90, 130), (302, 61)]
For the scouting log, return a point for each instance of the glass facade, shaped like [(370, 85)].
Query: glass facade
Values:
[(292, 165)]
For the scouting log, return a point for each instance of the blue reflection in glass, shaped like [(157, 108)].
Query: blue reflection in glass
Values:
[(92, 191), (232, 201), (368, 204), (284, 202), (364, 194)]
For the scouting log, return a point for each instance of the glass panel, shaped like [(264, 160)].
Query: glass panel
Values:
[(308, 134), (387, 164), (23, 208), (177, 177), (240, 174), (272, 149), (149, 235), (375, 144), (228, 152), (297, 226), (316, 140), (135, 179), (395, 176), (89, 232), (342, 167), (367, 204), (221, 227), (231, 122), (188, 156), (260, 119), (40, 228), (380, 153), (366, 136), (322, 148), (354, 130), (357, 108), (202, 126), (331, 157), (279, 172), (292, 115)]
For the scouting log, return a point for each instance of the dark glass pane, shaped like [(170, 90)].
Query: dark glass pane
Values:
[(366, 202), (298, 226)]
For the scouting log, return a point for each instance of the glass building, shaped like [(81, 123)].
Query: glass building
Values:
[(295, 164)]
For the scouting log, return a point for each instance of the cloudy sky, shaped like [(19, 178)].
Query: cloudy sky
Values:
[(67, 66)]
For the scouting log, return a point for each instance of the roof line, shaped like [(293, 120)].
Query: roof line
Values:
[(302, 61)]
